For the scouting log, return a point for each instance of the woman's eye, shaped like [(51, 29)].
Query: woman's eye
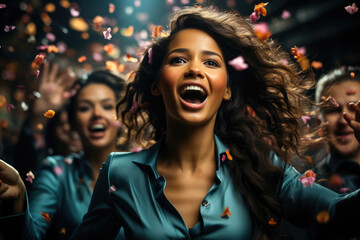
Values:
[(177, 60), (83, 108), (212, 63), (108, 107)]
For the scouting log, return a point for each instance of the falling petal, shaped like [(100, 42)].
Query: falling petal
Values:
[(51, 37), (112, 189), (285, 14), (260, 8), (43, 47), (323, 217), (185, 1), (52, 49), (226, 213), (58, 170), (107, 34), (262, 31), (238, 63), (228, 155), (46, 216), (2, 5), (111, 8), (254, 17), (37, 94), (2, 101), (63, 231), (111, 65), (68, 161), (10, 107), (74, 12), (156, 31), (30, 177), (9, 28), (344, 189), (316, 64), (150, 53), (24, 106), (272, 222), (49, 113), (81, 59), (38, 61), (334, 102), (309, 159), (127, 32), (305, 119), (310, 173), (78, 24), (134, 107), (351, 9), (306, 181)]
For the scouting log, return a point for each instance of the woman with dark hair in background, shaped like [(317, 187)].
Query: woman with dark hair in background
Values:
[(63, 185)]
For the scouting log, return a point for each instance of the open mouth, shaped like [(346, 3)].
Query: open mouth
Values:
[(97, 128), (193, 94)]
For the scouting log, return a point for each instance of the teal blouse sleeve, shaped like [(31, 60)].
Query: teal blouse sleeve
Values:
[(100, 222)]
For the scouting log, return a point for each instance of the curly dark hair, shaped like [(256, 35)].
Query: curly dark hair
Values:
[(275, 91)]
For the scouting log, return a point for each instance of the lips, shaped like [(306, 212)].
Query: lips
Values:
[(345, 136), (193, 95), (97, 130)]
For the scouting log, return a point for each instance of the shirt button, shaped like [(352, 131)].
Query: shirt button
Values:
[(205, 203)]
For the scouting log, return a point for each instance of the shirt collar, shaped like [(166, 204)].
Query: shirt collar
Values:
[(148, 157)]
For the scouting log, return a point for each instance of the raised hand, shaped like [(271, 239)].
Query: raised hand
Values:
[(354, 120), (12, 189)]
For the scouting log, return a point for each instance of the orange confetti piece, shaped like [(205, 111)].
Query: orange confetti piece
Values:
[(295, 52), (97, 22), (78, 24), (38, 61), (317, 64), (2, 101), (228, 154), (65, 4), (81, 59), (226, 212), (129, 58), (310, 173), (121, 68), (111, 8), (3, 123), (49, 113), (309, 159), (323, 217), (46, 216), (50, 7), (260, 8), (127, 32), (352, 74), (52, 49), (111, 65), (156, 31), (272, 222), (109, 48), (63, 231)]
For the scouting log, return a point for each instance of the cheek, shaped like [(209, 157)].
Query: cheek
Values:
[(219, 83)]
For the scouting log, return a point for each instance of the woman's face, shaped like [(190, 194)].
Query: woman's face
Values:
[(193, 78), (95, 110)]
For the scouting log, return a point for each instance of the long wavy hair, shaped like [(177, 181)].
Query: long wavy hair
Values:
[(273, 90)]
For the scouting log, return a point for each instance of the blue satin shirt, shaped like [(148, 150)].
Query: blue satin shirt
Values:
[(129, 193)]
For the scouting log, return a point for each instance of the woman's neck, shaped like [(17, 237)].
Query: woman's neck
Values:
[(96, 157), (187, 147)]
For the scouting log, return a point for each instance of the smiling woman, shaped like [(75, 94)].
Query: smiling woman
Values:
[(219, 169)]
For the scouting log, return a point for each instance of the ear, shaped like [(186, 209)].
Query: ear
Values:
[(155, 89), (227, 94)]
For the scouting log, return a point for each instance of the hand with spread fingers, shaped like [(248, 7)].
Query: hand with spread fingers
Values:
[(12, 189), (354, 119)]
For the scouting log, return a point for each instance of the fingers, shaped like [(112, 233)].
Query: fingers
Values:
[(8, 174), (44, 74), (54, 73)]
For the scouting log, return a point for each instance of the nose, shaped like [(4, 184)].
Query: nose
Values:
[(195, 70), (97, 111)]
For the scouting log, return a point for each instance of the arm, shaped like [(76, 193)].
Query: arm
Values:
[(303, 204), (45, 197), (100, 222)]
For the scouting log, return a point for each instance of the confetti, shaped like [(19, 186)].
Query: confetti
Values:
[(2, 5), (351, 9), (127, 32), (334, 102), (81, 59), (260, 8), (308, 179), (111, 8), (24, 106), (305, 119), (309, 159), (150, 53), (43, 47), (111, 65), (112, 189), (134, 107), (68, 160), (37, 94), (223, 157), (9, 28), (39, 59), (30, 177), (52, 49), (63, 231), (107, 34), (74, 12), (49, 113), (136, 149), (323, 217), (238, 63), (129, 58), (78, 24), (262, 31), (352, 74), (3, 123), (10, 107), (50, 36), (228, 155), (109, 48), (285, 14), (226, 213), (156, 31), (344, 189), (58, 170), (272, 222), (46, 216), (2, 101), (254, 17)]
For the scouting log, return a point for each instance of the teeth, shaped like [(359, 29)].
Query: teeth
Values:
[(194, 88), (97, 126)]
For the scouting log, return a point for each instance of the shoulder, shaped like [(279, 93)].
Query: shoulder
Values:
[(58, 164)]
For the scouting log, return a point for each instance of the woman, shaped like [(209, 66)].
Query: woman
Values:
[(63, 186), (213, 173)]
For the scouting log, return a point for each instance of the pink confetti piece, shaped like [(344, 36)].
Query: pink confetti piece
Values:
[(74, 12), (107, 34), (238, 63), (37, 73), (9, 28), (43, 47), (185, 1), (134, 107), (136, 149), (169, 2), (334, 102), (223, 158), (30, 177), (344, 189), (137, 3), (2, 5), (10, 107), (306, 181), (285, 14), (284, 61), (20, 87), (58, 170), (112, 189), (351, 9), (305, 119), (51, 37), (254, 17), (68, 161), (301, 50), (150, 52)]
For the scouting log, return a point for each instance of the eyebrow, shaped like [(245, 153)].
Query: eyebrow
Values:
[(185, 50), (90, 101)]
